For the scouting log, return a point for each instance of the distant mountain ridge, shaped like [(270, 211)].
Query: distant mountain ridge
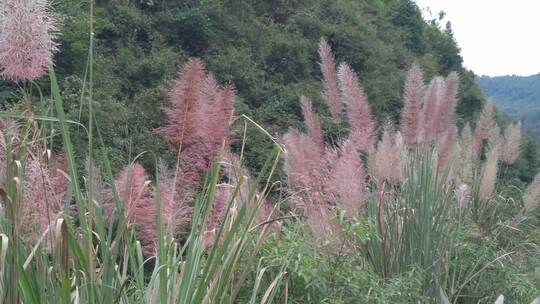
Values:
[(518, 96)]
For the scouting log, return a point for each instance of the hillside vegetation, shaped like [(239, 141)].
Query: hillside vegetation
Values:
[(302, 151), (266, 48), (518, 96)]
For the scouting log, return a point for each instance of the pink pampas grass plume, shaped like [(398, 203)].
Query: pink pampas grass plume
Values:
[(140, 203), (386, 162), (210, 103), (489, 174), (447, 108), (36, 214), (133, 189), (347, 180), (193, 165), (184, 112), (217, 107), (198, 119), (362, 125), (411, 115), (483, 127), (312, 122), (43, 200), (28, 31), (404, 153), (132, 185), (175, 212), (430, 110), (466, 136), (328, 69), (446, 148), (512, 142), (304, 163)]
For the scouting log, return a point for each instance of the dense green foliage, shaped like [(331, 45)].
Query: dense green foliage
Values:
[(518, 96)]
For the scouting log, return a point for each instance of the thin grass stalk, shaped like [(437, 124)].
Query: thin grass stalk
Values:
[(161, 260), (12, 200), (89, 239), (3, 262), (62, 245)]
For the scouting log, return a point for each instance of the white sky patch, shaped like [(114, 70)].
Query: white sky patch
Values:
[(496, 37)]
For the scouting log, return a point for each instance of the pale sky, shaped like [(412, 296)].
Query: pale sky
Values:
[(496, 37)]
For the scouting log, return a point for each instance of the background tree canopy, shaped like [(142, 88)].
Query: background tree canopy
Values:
[(268, 49), (518, 96)]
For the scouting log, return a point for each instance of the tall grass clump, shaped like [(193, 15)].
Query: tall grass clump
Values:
[(417, 188)]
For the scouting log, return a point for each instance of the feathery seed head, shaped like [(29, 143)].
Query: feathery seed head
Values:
[(386, 160), (430, 111), (311, 120), (495, 138), (134, 192), (185, 110), (347, 180), (410, 115), (328, 69), (198, 119), (512, 142), (489, 173), (175, 211), (483, 127), (132, 184), (446, 148), (448, 104), (363, 129), (45, 188), (28, 31), (214, 126), (305, 164)]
